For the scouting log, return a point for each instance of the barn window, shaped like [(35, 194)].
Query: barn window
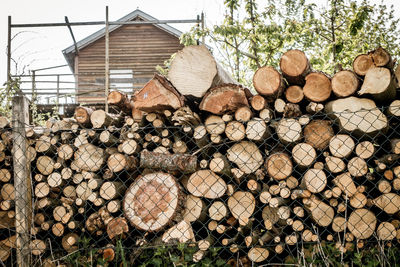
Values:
[(121, 80)]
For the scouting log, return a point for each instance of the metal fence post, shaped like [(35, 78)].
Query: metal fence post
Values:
[(22, 180)]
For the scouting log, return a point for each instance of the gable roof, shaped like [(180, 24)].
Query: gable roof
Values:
[(69, 52)]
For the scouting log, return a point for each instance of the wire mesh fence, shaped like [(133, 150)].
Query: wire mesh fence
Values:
[(228, 192)]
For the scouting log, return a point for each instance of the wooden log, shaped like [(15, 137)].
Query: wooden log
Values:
[(108, 138), (82, 115), (58, 229), (7, 192), (365, 149), (65, 151), (70, 242), (381, 58), (304, 155), (341, 145), (314, 180), (345, 183), (357, 167), (380, 84), (117, 162), (345, 83), (214, 125), (318, 87), (257, 130), (194, 70), (258, 102), (195, 209), (224, 98), (266, 115), (294, 94), (175, 162), (358, 200), (362, 63), (258, 254), (279, 166), (89, 157), (295, 66), (246, 156), (279, 105), (268, 82), (205, 183), (217, 211), (99, 119), (120, 100), (289, 131), (318, 133), (235, 131), (5, 175), (54, 179), (241, 205), (220, 165), (394, 108), (37, 247), (334, 164), (243, 114), (361, 223), (389, 203), (181, 232), (117, 227), (111, 190), (43, 144), (321, 213), (157, 94), (291, 111), (386, 231), (152, 201)]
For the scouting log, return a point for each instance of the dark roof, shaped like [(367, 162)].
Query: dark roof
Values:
[(69, 52)]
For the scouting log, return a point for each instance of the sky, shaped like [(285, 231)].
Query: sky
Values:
[(34, 48)]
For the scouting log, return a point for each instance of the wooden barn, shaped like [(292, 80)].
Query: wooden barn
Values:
[(134, 53)]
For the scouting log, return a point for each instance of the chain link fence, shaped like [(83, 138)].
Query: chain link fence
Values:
[(162, 191)]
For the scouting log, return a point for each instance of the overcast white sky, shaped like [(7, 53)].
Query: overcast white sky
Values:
[(41, 47)]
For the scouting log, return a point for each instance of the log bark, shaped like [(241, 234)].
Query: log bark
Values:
[(295, 66), (268, 82), (318, 87), (152, 201), (224, 98), (380, 84), (194, 70), (157, 95), (345, 83), (167, 162)]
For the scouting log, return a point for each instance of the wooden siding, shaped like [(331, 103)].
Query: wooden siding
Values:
[(137, 47)]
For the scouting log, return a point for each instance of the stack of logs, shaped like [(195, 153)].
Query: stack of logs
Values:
[(308, 157)]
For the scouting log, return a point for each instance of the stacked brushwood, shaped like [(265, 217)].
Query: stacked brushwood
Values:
[(197, 158)]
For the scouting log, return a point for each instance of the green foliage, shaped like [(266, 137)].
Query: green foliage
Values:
[(6, 94), (256, 33), (179, 255)]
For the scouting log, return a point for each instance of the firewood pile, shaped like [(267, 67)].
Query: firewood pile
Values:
[(197, 158)]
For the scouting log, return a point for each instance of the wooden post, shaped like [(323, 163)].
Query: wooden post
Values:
[(107, 78), (9, 52), (33, 96), (58, 91), (22, 180), (203, 40)]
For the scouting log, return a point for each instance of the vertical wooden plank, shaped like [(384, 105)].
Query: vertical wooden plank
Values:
[(22, 180), (107, 78), (9, 52)]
